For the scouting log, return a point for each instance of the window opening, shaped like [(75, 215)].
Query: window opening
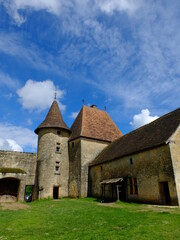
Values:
[(57, 167), (57, 147), (133, 187)]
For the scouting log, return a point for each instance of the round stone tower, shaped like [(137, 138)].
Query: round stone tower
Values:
[(52, 155)]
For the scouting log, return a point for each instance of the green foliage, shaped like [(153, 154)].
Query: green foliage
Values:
[(29, 189), (11, 170), (87, 219)]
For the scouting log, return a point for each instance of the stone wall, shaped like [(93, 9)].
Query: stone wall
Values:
[(150, 168), (75, 168), (89, 151), (49, 158), (82, 151), (174, 145), (19, 160)]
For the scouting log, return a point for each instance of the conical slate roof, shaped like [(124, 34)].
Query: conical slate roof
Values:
[(53, 119), (95, 124)]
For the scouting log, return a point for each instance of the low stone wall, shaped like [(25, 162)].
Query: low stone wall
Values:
[(18, 165)]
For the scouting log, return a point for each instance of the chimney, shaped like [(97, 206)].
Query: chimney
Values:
[(93, 106)]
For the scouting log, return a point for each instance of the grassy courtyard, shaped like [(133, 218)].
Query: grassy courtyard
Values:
[(87, 219)]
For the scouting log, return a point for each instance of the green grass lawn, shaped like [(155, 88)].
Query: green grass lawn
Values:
[(88, 219)]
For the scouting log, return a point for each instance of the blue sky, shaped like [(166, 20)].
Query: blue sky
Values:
[(122, 55)]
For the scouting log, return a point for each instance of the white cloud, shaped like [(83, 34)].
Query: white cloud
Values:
[(73, 115), (16, 138), (39, 95), (10, 145), (109, 7), (142, 118)]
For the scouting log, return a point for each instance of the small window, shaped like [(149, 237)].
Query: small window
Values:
[(57, 147), (131, 161), (57, 167), (58, 132), (72, 144), (133, 187)]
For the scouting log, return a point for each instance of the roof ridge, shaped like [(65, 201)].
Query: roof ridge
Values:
[(148, 136), (147, 124)]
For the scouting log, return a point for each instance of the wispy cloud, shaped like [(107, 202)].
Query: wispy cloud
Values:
[(133, 58), (109, 7), (73, 115), (83, 9), (28, 53), (6, 80)]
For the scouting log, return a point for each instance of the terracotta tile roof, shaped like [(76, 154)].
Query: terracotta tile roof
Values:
[(95, 124), (53, 119), (151, 135)]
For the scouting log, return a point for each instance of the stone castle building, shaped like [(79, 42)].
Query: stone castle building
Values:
[(93, 158)]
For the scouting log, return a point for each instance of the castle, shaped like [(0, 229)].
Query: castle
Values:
[(93, 158)]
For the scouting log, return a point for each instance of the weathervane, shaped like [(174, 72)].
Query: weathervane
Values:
[(55, 95), (83, 101)]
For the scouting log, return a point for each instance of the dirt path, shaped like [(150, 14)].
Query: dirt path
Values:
[(144, 207), (13, 206)]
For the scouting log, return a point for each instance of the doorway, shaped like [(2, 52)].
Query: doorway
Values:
[(164, 193), (55, 192), (9, 187)]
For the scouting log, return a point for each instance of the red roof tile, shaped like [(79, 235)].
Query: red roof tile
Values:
[(95, 124)]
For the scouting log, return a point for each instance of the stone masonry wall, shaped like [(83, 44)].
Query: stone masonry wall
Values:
[(75, 168), (174, 145), (82, 151), (48, 158), (89, 151), (149, 167), (24, 161)]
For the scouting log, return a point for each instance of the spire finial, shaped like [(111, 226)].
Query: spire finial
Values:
[(55, 95)]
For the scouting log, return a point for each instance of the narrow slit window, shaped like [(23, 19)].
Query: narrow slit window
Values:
[(58, 147), (133, 186), (57, 167)]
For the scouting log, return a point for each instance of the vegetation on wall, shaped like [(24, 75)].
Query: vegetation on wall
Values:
[(12, 170)]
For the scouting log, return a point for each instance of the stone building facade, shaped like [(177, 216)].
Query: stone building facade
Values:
[(93, 158), (142, 166)]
